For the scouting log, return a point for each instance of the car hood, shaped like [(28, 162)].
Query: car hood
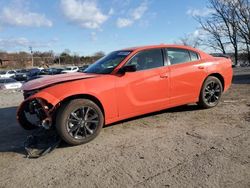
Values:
[(55, 79)]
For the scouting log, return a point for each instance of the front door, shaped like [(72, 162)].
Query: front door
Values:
[(145, 90)]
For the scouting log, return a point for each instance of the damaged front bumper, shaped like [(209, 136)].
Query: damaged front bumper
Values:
[(35, 112)]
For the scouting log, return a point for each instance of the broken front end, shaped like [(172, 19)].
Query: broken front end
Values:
[(35, 111)]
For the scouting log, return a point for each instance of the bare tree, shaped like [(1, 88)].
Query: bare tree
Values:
[(225, 13), (242, 10), (215, 34), (227, 25), (193, 40)]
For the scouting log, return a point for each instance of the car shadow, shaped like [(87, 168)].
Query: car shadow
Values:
[(12, 136), (183, 108)]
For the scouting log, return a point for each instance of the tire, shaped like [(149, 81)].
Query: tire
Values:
[(79, 121), (210, 93)]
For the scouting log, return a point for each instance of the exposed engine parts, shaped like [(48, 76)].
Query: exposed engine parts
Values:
[(36, 113)]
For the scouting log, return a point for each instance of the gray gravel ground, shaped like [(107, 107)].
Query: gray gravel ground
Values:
[(179, 147)]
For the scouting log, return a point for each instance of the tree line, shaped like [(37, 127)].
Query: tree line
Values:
[(226, 29), (45, 59)]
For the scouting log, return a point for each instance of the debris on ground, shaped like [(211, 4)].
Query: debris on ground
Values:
[(41, 142)]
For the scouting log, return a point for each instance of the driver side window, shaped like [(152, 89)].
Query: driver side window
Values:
[(147, 59)]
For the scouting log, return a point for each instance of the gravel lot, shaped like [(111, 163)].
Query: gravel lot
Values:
[(179, 147)]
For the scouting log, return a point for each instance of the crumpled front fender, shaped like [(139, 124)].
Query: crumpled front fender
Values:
[(48, 104), (51, 99)]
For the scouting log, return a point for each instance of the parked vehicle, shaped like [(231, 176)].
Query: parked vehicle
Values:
[(9, 83), (21, 75), (34, 72), (70, 69), (82, 68), (124, 84), (51, 71), (7, 74), (21, 70)]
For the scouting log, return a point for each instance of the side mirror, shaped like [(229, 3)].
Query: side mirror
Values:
[(127, 68)]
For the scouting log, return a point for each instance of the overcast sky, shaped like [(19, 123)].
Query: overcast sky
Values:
[(87, 26)]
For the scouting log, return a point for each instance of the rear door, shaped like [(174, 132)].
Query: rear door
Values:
[(146, 89), (186, 75)]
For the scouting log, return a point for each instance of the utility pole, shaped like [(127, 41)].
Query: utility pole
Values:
[(32, 59)]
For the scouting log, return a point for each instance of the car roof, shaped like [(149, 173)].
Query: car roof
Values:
[(140, 48), (159, 46)]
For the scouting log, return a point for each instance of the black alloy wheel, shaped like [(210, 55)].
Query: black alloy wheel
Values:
[(211, 92), (79, 121)]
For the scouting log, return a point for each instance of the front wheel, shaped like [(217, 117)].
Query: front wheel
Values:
[(79, 121), (210, 93)]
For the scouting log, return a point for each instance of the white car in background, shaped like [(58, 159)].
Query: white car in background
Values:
[(7, 74), (70, 69), (9, 83)]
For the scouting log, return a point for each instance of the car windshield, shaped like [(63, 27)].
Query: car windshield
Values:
[(108, 63), (23, 71), (68, 68), (2, 72)]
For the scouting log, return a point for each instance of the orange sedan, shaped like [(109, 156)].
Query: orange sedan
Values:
[(124, 84)]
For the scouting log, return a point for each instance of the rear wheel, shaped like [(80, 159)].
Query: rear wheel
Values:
[(210, 93), (79, 121)]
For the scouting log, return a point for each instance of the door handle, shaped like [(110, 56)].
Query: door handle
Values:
[(164, 76), (201, 67)]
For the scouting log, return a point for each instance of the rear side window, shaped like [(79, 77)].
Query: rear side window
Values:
[(194, 56), (177, 56), (147, 59)]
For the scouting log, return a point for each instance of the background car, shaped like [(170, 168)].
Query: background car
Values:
[(9, 83), (7, 74), (33, 72), (82, 68), (51, 71), (70, 69), (21, 75)]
